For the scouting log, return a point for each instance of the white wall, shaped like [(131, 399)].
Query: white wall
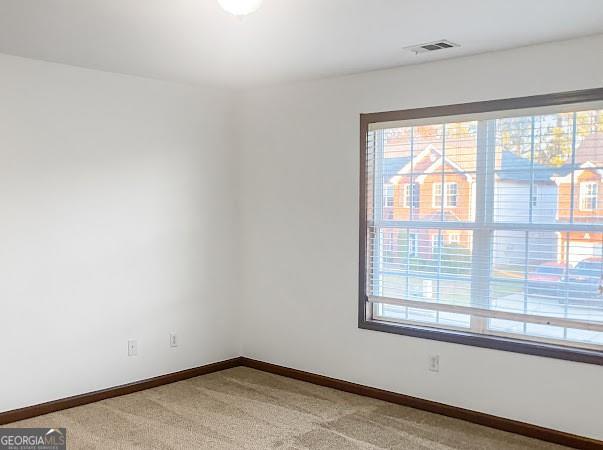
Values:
[(123, 201), (299, 189), (116, 222)]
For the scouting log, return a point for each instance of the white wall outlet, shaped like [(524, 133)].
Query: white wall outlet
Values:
[(132, 347), (173, 340), (434, 363)]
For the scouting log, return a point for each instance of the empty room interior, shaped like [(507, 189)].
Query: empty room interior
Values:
[(301, 224)]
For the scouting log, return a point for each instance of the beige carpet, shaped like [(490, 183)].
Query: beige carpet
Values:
[(245, 408)]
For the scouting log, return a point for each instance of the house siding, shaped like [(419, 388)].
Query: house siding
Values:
[(580, 245), (512, 204), (428, 212)]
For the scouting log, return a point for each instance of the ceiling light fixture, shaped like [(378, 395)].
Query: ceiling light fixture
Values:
[(240, 7)]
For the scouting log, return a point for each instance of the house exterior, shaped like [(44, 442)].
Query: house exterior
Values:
[(428, 187), (418, 196), (433, 187), (587, 198), (522, 192)]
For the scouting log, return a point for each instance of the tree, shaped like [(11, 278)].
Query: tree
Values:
[(557, 142), (549, 136), (515, 135), (589, 122)]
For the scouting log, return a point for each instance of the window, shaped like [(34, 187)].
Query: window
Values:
[(589, 193), (505, 258), (411, 195), (436, 241), (388, 246), (450, 200), (534, 196), (436, 196), (413, 245), (388, 195), (451, 191)]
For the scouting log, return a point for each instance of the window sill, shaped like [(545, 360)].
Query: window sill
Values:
[(486, 341)]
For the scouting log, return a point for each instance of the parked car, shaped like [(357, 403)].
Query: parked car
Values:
[(546, 279), (584, 282)]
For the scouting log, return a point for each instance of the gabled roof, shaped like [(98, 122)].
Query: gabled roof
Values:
[(512, 167), (591, 149), (516, 168), (438, 163), (565, 176), (589, 154), (392, 166), (425, 162)]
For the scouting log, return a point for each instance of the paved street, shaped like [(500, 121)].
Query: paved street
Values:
[(503, 301)]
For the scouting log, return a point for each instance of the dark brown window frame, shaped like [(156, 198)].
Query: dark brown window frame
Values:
[(439, 334)]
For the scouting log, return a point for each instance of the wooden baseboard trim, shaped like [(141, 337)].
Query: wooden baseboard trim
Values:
[(500, 423), (91, 397)]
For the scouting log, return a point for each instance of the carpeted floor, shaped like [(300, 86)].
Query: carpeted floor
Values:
[(245, 408)]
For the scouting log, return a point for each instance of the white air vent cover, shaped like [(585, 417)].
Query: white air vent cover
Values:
[(432, 46)]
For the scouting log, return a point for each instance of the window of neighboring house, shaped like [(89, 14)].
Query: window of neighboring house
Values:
[(450, 200), (413, 245), (388, 195), (388, 246), (534, 196), (436, 241), (411, 195), (520, 277), (589, 193), (436, 195), (454, 238), (451, 192)]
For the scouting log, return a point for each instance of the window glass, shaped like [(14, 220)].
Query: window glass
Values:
[(498, 228)]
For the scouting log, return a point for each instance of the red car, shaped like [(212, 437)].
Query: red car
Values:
[(545, 278)]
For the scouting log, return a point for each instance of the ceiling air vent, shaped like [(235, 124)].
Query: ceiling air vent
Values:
[(432, 46)]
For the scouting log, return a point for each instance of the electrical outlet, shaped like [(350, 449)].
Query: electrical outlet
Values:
[(434, 363), (132, 347), (173, 340)]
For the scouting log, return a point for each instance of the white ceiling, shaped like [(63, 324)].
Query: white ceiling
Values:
[(195, 41)]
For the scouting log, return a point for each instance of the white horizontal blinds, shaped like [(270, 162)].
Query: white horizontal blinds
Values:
[(432, 170), (499, 221), (547, 176)]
